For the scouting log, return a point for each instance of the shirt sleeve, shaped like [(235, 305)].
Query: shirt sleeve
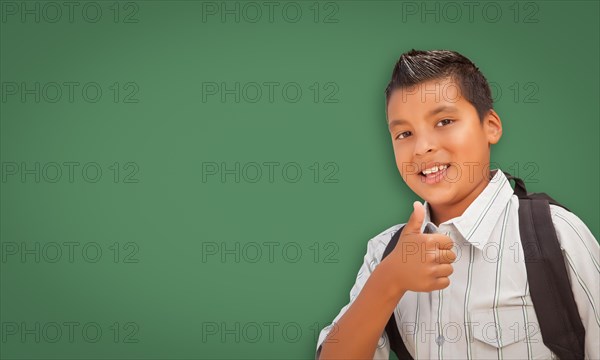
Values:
[(581, 252), (375, 248)]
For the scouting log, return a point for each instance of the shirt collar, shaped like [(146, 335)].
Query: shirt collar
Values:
[(478, 220)]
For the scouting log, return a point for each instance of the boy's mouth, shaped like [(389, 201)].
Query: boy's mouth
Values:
[(434, 174)]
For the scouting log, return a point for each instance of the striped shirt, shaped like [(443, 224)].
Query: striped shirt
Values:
[(486, 312)]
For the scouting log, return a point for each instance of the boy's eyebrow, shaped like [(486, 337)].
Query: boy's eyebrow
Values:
[(438, 109)]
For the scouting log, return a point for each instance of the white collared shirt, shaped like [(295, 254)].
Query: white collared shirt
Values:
[(488, 292)]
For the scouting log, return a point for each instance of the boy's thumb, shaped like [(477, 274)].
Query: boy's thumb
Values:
[(413, 226)]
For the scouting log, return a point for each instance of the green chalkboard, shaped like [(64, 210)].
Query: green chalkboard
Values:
[(198, 180)]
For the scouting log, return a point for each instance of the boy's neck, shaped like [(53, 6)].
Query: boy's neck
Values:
[(442, 213)]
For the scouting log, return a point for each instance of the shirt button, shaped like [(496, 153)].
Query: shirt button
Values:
[(440, 340)]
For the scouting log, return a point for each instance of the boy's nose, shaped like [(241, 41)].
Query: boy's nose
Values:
[(424, 145)]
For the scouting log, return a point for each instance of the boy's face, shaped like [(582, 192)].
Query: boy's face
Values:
[(441, 127)]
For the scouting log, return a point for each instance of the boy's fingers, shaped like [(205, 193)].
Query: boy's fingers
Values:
[(413, 226), (442, 282), (444, 270), (445, 243), (446, 257), (439, 242)]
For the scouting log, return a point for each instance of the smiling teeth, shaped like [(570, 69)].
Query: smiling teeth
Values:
[(434, 169)]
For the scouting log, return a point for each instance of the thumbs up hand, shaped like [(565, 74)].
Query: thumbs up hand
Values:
[(420, 262)]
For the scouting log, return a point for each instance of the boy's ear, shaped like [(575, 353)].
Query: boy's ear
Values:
[(492, 126)]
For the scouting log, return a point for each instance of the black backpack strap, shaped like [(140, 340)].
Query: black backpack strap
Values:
[(391, 328), (519, 189), (522, 193), (550, 289)]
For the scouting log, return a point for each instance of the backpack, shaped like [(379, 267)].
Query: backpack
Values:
[(550, 289)]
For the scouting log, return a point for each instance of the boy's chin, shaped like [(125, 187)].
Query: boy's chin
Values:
[(437, 203), (436, 196)]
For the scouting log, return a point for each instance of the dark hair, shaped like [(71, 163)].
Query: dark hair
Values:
[(418, 66)]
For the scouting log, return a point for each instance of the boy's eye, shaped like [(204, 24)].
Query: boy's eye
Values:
[(403, 134), (399, 136), (448, 121)]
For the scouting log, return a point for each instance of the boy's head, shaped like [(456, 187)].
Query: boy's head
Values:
[(440, 111), (418, 66)]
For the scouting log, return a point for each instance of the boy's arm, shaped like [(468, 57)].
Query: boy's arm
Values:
[(365, 296), (582, 260), (379, 288)]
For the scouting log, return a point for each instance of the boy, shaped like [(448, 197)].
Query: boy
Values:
[(456, 282)]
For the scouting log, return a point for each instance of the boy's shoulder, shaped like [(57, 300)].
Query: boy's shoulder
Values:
[(560, 212), (568, 225)]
